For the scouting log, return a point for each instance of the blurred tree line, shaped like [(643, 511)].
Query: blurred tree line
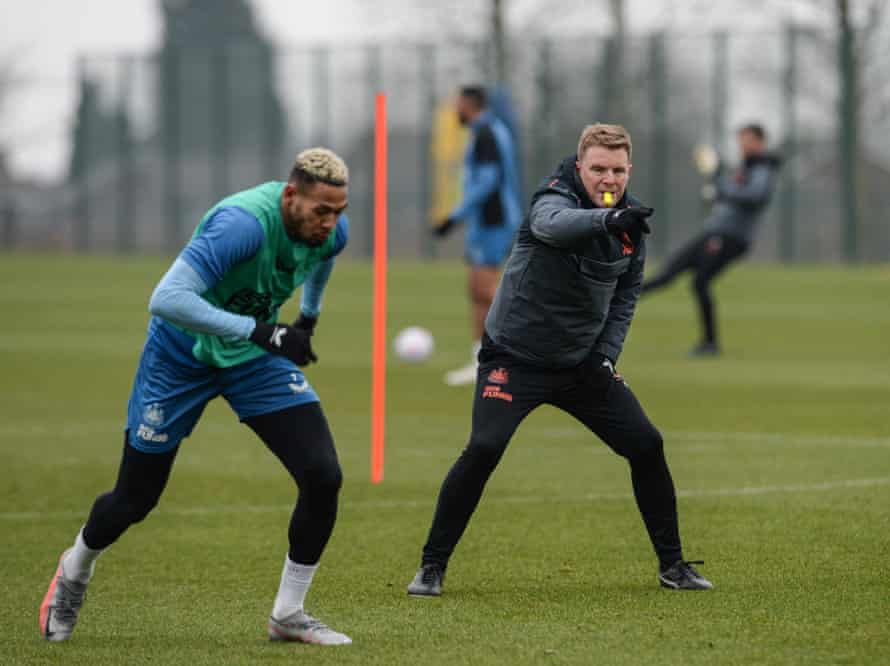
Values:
[(221, 104)]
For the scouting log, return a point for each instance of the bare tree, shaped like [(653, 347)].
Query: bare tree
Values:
[(616, 47), (874, 77), (848, 134), (862, 64)]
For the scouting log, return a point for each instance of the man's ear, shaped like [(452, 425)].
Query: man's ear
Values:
[(291, 189), (577, 165)]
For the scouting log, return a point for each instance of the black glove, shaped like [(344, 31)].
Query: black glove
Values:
[(600, 376), (630, 221), (444, 227), (288, 341), (306, 323)]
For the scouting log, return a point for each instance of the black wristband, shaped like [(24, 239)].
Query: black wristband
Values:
[(306, 322), (262, 334)]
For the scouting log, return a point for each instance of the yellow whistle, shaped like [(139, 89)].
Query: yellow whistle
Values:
[(608, 199)]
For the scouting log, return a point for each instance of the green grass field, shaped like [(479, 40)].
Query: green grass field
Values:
[(780, 451)]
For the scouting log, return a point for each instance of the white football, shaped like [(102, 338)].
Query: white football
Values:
[(413, 344)]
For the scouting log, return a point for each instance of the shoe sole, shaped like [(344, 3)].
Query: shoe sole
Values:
[(667, 584), (424, 595), (276, 635), (47, 600), (673, 586)]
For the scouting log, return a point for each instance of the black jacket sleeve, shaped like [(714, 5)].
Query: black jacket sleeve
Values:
[(622, 307), (485, 147)]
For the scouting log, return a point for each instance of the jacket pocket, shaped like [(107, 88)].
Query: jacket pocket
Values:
[(602, 272)]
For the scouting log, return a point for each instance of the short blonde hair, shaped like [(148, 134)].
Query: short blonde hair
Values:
[(613, 137), (319, 165)]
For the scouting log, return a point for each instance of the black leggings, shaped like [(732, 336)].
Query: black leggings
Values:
[(708, 255), (298, 436), (504, 399)]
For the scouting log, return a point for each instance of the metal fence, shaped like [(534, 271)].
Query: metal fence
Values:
[(174, 132)]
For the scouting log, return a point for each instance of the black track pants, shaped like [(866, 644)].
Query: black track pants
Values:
[(298, 436), (708, 255), (505, 393)]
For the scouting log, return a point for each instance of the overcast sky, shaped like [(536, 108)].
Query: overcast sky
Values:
[(42, 39)]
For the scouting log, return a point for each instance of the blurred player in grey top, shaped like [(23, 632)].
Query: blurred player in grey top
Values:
[(739, 199)]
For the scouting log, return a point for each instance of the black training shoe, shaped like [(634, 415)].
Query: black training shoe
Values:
[(427, 581), (705, 350), (681, 575)]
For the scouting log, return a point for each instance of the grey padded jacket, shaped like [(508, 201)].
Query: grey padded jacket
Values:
[(569, 287), (742, 197)]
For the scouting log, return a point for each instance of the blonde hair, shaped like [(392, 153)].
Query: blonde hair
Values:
[(319, 165), (613, 137)]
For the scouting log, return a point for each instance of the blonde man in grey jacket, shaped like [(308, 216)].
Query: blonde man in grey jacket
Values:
[(552, 336)]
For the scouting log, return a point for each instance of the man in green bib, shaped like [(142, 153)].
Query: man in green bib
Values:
[(215, 331)]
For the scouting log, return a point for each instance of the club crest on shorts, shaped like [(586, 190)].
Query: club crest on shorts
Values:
[(499, 376), (298, 384), (299, 387), (154, 415)]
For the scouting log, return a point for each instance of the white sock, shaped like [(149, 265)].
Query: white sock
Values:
[(475, 350), (295, 582), (79, 563)]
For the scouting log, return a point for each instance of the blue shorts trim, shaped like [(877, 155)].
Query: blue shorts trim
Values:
[(169, 394)]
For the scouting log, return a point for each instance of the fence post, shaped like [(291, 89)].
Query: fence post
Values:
[(427, 60), (81, 180), (483, 59), (126, 188), (273, 134), (719, 87), (374, 77), (613, 106), (219, 120), (544, 141), (788, 202), (658, 167), (172, 148), (321, 85), (848, 136)]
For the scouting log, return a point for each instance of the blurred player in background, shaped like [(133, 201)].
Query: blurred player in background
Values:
[(553, 336), (739, 199), (490, 208), (215, 332)]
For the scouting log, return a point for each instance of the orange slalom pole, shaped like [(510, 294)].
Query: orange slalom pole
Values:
[(378, 354)]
